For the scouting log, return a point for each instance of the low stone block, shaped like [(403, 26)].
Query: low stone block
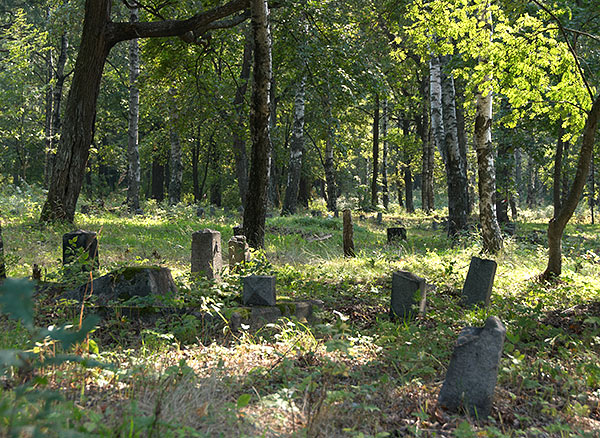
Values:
[(239, 252), (259, 290), (408, 291), (126, 283), (480, 279), (206, 254), (395, 234), (471, 377), (77, 241)]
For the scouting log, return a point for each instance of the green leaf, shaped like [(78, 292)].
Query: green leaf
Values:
[(16, 300), (243, 400)]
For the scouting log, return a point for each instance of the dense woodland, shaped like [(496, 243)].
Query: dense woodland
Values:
[(470, 123)]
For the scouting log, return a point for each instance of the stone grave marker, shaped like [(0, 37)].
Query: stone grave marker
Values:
[(206, 253), (238, 230), (408, 290), (239, 252), (471, 377), (259, 290), (396, 233), (348, 235), (77, 241), (379, 219), (200, 212), (480, 279)]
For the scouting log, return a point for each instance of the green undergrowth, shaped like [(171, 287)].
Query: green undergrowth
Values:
[(354, 373)]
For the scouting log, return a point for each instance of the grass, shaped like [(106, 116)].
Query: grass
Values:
[(355, 374)]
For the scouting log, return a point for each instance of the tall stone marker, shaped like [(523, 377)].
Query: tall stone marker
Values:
[(348, 235), (238, 251), (206, 254), (480, 279), (473, 370), (408, 290), (395, 234), (75, 242), (259, 290), (379, 219)]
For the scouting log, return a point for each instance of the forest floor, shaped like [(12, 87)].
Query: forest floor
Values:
[(355, 373)]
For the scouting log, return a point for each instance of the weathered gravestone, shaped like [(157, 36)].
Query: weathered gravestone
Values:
[(379, 219), (348, 235), (238, 230), (473, 370), (396, 233), (200, 212), (212, 210), (480, 279), (206, 254), (238, 251), (126, 283), (78, 243), (408, 291), (259, 290)]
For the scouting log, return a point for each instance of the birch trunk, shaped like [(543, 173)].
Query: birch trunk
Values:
[(458, 198), (133, 154), (256, 203), (296, 152), (435, 105)]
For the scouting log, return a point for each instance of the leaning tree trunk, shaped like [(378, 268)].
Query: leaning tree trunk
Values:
[(374, 185), (69, 164), (133, 153), (458, 198), (384, 160), (296, 152), (558, 223), (256, 203)]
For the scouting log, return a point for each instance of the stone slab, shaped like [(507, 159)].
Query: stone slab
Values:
[(408, 291), (207, 258), (259, 290), (478, 284), (76, 241), (395, 234), (473, 371)]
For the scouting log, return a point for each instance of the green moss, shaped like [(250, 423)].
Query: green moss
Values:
[(287, 308), (130, 272), (244, 312)]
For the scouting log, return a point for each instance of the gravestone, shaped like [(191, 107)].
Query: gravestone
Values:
[(123, 284), (200, 212), (316, 213), (396, 233), (206, 254), (238, 251), (408, 290), (480, 279), (212, 210), (238, 230), (259, 290), (348, 234), (76, 242), (379, 219), (473, 370)]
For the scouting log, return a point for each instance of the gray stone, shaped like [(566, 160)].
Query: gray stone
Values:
[(200, 212), (257, 316), (206, 254), (76, 242), (408, 291), (379, 219), (239, 252), (471, 377), (396, 233), (238, 230), (125, 284), (259, 290), (480, 279)]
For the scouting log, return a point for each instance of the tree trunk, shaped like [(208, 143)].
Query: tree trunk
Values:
[(592, 197), (408, 189), (384, 162), (239, 143), (256, 203), (274, 198), (68, 168), (133, 154), (435, 105), (48, 119), (296, 151), (558, 223), (216, 189), (504, 166), (176, 165), (462, 139), (399, 188), (427, 200), (195, 169), (158, 175), (348, 234), (492, 237), (98, 36), (374, 185), (455, 170), (329, 163)]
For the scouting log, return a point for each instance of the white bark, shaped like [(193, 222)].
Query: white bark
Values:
[(435, 96), (133, 155)]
